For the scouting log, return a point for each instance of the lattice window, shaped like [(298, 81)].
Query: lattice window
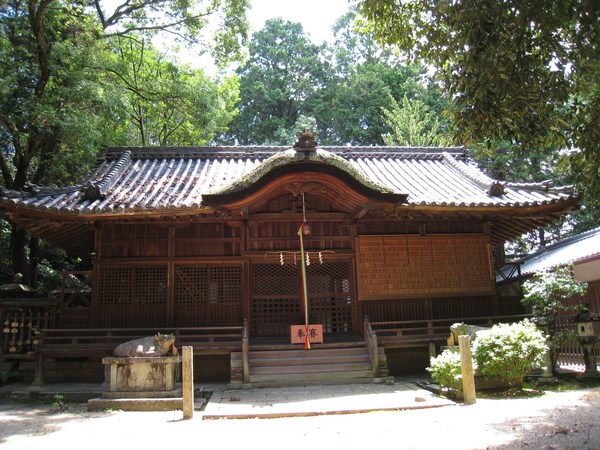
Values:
[(133, 296), (228, 279), (150, 285), (208, 295), (277, 299), (115, 285), (327, 278), (190, 284), (273, 316), (275, 279)]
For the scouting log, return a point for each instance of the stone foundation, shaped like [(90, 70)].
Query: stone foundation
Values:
[(142, 374)]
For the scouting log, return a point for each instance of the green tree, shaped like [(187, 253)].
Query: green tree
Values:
[(185, 20), (549, 294), (367, 78), (349, 108), (343, 87), (283, 71), (53, 101), (167, 103), (518, 71), (413, 124), (49, 101)]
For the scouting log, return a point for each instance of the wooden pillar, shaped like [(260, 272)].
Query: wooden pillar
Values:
[(246, 280), (466, 363), (96, 272), (187, 381), (171, 278), (38, 377)]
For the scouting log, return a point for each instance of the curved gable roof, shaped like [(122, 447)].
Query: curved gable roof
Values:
[(130, 180), (166, 182), (290, 161)]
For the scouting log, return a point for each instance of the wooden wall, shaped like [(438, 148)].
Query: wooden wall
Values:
[(405, 266), (201, 273), (413, 309)]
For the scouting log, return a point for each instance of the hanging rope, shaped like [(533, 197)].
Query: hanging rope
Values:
[(304, 284)]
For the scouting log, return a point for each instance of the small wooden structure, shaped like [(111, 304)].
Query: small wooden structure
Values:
[(205, 238), (582, 251)]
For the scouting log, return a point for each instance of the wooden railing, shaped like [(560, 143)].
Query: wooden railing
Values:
[(427, 332), (55, 342), (372, 346)]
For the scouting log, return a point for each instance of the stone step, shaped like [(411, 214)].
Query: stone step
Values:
[(137, 404), (174, 393)]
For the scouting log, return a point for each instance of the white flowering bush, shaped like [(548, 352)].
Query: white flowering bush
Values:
[(509, 351), (446, 371)]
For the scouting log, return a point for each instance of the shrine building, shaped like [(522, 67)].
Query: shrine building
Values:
[(397, 244)]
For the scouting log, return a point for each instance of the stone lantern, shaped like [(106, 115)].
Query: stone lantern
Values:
[(585, 333)]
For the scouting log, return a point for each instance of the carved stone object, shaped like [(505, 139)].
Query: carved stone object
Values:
[(157, 345)]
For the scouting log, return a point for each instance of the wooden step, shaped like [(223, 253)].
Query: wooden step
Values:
[(287, 367), (383, 366), (312, 360), (310, 368)]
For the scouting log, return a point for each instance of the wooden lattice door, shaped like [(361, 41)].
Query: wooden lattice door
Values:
[(208, 296), (277, 299), (132, 297)]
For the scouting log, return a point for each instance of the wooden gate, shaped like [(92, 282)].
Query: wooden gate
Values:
[(277, 299)]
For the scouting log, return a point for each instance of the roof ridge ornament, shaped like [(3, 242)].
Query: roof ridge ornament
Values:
[(306, 141), (496, 189)]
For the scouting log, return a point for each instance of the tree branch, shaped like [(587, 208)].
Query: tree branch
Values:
[(4, 167), (126, 9), (100, 14), (36, 20), (114, 19)]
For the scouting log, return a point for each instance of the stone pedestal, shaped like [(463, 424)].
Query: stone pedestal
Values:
[(145, 383), (142, 374)]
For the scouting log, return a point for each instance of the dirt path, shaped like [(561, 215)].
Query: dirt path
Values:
[(564, 420)]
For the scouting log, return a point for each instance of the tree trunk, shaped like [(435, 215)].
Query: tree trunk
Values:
[(18, 253), (34, 259)]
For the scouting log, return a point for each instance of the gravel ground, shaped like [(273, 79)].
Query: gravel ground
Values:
[(556, 420)]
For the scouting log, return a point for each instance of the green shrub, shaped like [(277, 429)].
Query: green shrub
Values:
[(445, 370), (509, 351), (548, 295)]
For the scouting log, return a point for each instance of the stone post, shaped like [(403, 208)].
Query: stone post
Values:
[(466, 362), (187, 381)]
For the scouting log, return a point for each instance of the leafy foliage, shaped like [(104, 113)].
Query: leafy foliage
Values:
[(367, 79), (550, 293), (56, 107), (167, 103), (186, 20), (517, 70), (414, 124), (284, 70), (509, 351), (342, 88), (446, 371)]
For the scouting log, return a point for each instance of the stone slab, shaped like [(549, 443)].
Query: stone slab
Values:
[(319, 400), (140, 404), (142, 374), (175, 393)]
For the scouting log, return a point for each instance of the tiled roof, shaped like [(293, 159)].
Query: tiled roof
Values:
[(173, 179), (568, 251)]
